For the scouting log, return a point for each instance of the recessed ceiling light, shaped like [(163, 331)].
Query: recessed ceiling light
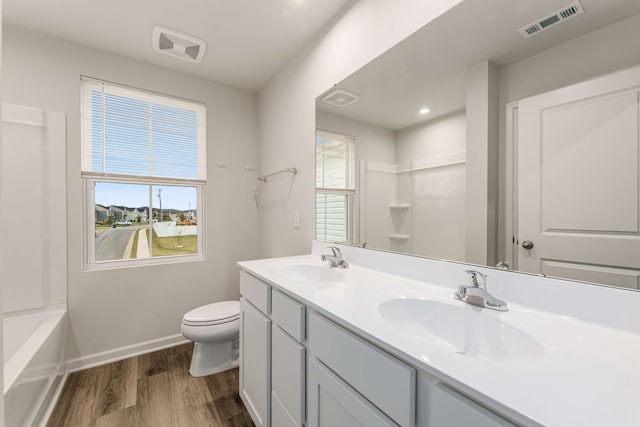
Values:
[(423, 111)]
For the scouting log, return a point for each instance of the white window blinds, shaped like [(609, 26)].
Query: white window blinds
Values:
[(335, 186), (334, 161), (130, 132)]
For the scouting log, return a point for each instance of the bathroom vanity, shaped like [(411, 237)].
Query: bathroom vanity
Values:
[(385, 343)]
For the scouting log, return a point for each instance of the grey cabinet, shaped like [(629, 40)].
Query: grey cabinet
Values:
[(255, 348), (299, 368), (380, 378), (332, 402), (272, 356), (448, 408), (288, 374), (288, 360)]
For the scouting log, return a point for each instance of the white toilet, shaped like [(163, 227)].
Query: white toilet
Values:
[(214, 328)]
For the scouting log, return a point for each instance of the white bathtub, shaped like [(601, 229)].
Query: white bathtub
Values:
[(33, 363)]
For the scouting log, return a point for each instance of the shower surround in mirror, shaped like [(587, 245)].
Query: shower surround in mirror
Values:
[(411, 192)]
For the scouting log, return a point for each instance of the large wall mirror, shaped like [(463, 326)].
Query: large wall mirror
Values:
[(398, 162)]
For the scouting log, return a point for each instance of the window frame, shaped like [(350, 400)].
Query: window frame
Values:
[(89, 179), (352, 229)]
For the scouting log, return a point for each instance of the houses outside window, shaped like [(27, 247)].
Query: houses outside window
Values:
[(143, 175), (335, 187)]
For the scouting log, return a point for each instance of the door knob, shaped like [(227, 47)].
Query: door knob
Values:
[(527, 244)]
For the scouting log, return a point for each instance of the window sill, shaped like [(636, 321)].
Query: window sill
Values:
[(148, 262)]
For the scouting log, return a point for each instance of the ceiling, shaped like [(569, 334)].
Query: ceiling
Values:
[(427, 69), (248, 41)]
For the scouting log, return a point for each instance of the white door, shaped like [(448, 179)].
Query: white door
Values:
[(578, 184)]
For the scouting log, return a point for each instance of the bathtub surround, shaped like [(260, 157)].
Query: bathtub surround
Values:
[(35, 324), (33, 151), (33, 363), (121, 312)]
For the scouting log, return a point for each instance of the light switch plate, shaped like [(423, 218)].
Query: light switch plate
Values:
[(296, 218)]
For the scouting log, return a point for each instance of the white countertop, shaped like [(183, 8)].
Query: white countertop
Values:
[(576, 372)]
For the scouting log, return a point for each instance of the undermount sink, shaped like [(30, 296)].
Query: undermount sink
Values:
[(309, 271), (466, 330)]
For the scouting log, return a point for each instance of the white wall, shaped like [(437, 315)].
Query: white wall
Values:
[(373, 143), (437, 137), (603, 51), (117, 308), (287, 109), (482, 163)]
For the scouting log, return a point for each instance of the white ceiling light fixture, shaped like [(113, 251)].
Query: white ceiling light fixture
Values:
[(423, 110), (177, 44)]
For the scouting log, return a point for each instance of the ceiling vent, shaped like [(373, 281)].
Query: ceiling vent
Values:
[(340, 98), (177, 44), (539, 25)]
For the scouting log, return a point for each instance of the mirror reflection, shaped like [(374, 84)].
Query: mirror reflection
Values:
[(495, 135)]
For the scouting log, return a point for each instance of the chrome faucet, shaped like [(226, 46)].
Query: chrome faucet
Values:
[(335, 260), (503, 265), (476, 293)]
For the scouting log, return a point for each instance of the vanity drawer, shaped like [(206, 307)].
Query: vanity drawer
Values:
[(384, 380), (288, 314), (255, 291)]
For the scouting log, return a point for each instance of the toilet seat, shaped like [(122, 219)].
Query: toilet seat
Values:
[(213, 314)]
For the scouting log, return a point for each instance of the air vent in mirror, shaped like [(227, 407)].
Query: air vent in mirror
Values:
[(340, 98)]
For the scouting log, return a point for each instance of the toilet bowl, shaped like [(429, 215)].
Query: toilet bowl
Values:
[(214, 328)]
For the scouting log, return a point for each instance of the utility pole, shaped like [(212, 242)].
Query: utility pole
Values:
[(160, 198)]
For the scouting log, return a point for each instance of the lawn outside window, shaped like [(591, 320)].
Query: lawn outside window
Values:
[(143, 176)]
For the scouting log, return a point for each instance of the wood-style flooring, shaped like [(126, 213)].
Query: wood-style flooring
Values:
[(153, 389)]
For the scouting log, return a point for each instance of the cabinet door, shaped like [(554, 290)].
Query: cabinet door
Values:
[(287, 373), (280, 417), (332, 402), (255, 362), (449, 408), (385, 381)]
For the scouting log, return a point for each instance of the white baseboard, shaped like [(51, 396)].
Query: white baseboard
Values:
[(54, 392), (117, 354)]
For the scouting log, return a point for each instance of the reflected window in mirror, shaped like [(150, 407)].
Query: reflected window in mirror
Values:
[(335, 187)]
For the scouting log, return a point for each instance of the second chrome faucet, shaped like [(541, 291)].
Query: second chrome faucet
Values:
[(335, 260), (476, 293)]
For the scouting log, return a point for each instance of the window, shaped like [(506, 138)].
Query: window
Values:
[(335, 187), (143, 174)]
